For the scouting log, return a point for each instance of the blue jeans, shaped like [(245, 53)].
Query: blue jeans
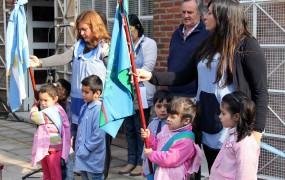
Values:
[(67, 169), (133, 134), (69, 165), (92, 176)]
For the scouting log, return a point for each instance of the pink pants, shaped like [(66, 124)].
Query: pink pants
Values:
[(51, 166)]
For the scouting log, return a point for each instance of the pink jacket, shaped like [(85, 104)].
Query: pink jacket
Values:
[(236, 160), (183, 158), (42, 138)]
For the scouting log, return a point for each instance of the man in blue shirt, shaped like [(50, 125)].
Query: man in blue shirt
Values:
[(184, 41)]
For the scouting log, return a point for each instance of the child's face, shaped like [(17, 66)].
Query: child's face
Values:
[(160, 109), (88, 95), (60, 87), (46, 100), (62, 91), (174, 121), (228, 119)]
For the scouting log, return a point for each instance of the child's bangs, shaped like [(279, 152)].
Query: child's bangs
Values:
[(174, 108)]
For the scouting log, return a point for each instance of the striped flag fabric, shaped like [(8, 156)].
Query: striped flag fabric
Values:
[(17, 54), (117, 100)]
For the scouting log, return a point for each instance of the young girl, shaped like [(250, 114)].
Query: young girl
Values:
[(52, 137), (173, 150), (238, 158)]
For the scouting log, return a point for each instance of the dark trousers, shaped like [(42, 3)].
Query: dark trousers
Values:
[(133, 134), (211, 155), (108, 155)]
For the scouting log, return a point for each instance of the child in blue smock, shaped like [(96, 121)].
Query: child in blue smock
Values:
[(90, 139)]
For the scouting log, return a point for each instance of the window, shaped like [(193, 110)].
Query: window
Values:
[(142, 8), (43, 13)]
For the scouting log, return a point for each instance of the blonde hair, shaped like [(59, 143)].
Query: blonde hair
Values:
[(95, 23)]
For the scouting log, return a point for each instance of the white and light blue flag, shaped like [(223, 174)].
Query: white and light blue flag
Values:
[(17, 54)]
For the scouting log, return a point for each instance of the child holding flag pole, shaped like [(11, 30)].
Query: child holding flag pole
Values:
[(173, 151)]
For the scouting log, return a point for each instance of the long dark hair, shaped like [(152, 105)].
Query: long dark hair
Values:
[(231, 28), (238, 102)]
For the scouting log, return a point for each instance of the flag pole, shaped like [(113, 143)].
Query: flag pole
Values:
[(33, 83), (135, 78)]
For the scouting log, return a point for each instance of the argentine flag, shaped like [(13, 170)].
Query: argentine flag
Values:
[(17, 54)]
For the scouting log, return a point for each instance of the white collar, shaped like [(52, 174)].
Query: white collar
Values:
[(189, 32)]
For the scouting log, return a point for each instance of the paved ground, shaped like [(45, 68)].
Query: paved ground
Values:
[(16, 140)]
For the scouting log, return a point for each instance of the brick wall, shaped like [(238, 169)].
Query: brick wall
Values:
[(166, 18)]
